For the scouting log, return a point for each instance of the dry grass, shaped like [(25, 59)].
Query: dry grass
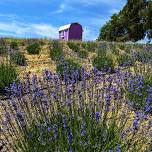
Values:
[(38, 63)]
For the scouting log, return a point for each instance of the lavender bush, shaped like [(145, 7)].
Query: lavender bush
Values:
[(14, 45), (3, 50), (75, 46), (8, 74), (139, 92), (56, 50), (34, 48), (18, 58), (48, 114)]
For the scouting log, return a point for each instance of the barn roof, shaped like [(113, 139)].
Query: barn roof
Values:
[(64, 27)]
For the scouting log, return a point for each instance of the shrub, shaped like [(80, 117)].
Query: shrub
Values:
[(67, 66), (8, 74), (83, 54), (104, 61), (42, 42), (34, 48), (18, 58), (122, 46), (139, 93), (14, 45), (84, 45), (22, 43), (115, 51), (73, 116), (101, 52), (2, 41), (56, 50), (143, 56), (3, 50), (74, 46), (125, 60), (148, 79), (91, 46)]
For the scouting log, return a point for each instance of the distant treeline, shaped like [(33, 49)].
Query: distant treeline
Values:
[(132, 23)]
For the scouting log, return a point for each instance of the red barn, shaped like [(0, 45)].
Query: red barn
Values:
[(71, 31)]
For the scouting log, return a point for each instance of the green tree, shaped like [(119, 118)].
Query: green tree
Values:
[(132, 23), (112, 30), (132, 19)]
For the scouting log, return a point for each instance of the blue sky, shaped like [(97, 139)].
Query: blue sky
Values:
[(42, 18)]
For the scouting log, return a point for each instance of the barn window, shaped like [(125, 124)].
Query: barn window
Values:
[(62, 33)]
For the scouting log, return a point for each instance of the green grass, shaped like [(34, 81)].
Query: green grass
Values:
[(3, 50), (34, 48), (14, 45), (75, 46), (18, 58), (8, 74), (56, 50)]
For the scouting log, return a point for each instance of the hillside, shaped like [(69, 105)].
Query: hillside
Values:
[(81, 52), (85, 96)]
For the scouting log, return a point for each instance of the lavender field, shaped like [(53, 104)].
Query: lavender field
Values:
[(88, 97)]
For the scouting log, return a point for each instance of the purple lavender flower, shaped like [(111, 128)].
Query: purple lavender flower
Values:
[(70, 150), (27, 83), (64, 122), (83, 130), (49, 129), (20, 89), (148, 105), (109, 79), (37, 93), (54, 96), (70, 136), (55, 127), (69, 102), (14, 87), (20, 117), (107, 106), (34, 79), (48, 74), (108, 98), (98, 114), (95, 70), (118, 148), (7, 116), (135, 124), (14, 104), (80, 94)]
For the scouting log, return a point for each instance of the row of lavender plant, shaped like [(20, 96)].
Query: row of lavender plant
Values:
[(54, 113)]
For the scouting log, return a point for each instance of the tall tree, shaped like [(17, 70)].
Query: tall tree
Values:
[(133, 23)]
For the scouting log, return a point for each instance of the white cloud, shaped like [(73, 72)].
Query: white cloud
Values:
[(45, 30), (13, 27), (88, 34), (60, 10), (25, 29)]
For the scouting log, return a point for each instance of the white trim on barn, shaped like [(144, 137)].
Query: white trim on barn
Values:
[(62, 28)]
